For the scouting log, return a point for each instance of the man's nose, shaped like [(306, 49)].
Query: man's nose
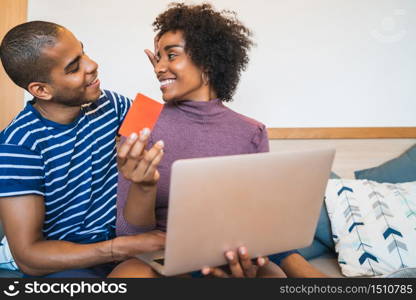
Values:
[(91, 66)]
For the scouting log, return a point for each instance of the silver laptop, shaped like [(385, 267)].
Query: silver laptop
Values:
[(268, 202)]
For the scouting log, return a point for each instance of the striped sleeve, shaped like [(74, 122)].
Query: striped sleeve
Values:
[(21, 171), (122, 104)]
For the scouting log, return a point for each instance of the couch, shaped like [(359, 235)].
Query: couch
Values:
[(390, 161)]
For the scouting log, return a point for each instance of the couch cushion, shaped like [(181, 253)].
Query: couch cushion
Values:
[(400, 169), (328, 265), (10, 274)]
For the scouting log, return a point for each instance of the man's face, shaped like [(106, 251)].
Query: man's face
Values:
[(73, 77)]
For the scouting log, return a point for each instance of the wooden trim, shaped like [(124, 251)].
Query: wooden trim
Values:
[(12, 12), (342, 133)]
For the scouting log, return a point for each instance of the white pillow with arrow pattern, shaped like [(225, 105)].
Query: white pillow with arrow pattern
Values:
[(373, 225)]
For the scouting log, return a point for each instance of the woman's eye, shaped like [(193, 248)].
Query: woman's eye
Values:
[(171, 55)]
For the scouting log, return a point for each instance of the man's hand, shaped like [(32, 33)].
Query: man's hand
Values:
[(128, 246), (240, 265), (135, 163)]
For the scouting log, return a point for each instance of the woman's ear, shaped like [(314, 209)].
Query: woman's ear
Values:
[(40, 90), (205, 78)]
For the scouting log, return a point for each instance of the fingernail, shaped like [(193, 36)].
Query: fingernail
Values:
[(262, 261), (205, 271), (243, 250), (230, 255), (144, 133), (133, 137), (160, 144)]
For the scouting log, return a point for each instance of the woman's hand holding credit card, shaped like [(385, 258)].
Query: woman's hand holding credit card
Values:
[(133, 160)]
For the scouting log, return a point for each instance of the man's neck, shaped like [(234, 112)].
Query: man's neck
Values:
[(56, 112)]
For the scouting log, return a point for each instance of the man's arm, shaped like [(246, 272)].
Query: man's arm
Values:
[(23, 218), (296, 266)]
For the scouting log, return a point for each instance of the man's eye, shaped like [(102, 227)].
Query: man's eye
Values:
[(74, 70), (171, 55)]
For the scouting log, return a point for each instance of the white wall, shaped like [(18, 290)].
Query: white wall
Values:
[(318, 63)]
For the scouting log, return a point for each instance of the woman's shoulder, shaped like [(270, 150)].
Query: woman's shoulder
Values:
[(244, 120)]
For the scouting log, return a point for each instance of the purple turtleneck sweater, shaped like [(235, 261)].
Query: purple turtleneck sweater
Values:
[(193, 129)]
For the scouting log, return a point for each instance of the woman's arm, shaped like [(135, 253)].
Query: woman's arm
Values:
[(140, 167)]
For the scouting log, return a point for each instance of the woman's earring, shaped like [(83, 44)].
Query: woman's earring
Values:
[(205, 79)]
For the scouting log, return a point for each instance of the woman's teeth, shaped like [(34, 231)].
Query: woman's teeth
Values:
[(166, 82)]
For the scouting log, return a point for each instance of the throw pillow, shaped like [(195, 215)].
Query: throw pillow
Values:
[(6, 258), (373, 225), (322, 242), (400, 169)]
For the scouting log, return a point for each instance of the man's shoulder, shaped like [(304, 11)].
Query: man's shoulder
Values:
[(112, 95), (109, 100), (20, 127)]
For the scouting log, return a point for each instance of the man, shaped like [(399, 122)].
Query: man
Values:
[(58, 172)]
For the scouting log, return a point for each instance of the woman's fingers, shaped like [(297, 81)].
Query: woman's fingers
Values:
[(262, 261), (249, 269), (239, 264), (151, 56), (134, 155), (124, 149), (234, 264), (136, 150), (215, 272), (147, 167), (151, 172)]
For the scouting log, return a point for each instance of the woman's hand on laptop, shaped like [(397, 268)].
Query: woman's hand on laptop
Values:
[(240, 265), (137, 164)]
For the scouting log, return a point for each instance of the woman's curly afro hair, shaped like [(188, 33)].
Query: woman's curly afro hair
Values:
[(217, 42)]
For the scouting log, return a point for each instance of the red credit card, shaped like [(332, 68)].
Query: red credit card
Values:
[(143, 113)]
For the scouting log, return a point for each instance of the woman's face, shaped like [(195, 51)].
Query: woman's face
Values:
[(179, 77)]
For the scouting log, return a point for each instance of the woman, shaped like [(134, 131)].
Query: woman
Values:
[(199, 56)]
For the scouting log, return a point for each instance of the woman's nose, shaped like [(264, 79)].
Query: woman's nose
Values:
[(160, 67)]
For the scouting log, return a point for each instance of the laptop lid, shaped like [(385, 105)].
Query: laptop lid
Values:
[(268, 202)]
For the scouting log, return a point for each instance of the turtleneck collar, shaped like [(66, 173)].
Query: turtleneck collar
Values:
[(199, 110)]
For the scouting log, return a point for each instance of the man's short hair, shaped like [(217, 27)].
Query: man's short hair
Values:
[(21, 51)]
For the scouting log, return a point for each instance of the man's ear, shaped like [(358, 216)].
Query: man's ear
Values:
[(40, 90)]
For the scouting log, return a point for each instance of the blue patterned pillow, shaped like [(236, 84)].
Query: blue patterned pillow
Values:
[(6, 258), (373, 225), (400, 169)]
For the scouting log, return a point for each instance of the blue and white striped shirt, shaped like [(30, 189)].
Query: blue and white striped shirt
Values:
[(72, 166)]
